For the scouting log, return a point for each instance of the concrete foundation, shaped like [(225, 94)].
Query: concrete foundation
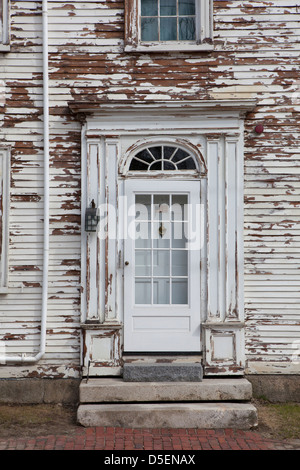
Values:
[(275, 388), (39, 391)]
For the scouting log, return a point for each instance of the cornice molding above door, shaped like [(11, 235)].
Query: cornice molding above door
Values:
[(98, 106)]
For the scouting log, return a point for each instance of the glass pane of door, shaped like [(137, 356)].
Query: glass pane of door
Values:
[(161, 253)]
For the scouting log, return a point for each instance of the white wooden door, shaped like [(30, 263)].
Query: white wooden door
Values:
[(162, 266)]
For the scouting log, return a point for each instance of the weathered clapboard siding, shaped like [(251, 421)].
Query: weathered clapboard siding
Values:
[(21, 309), (256, 54)]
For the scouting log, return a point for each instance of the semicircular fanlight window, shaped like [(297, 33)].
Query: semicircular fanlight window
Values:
[(162, 158)]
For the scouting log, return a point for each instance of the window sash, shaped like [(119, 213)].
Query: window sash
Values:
[(169, 25), (204, 30)]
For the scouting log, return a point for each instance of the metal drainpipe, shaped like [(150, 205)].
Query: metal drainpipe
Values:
[(23, 358)]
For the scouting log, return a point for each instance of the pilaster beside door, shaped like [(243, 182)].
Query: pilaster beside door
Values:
[(224, 325)]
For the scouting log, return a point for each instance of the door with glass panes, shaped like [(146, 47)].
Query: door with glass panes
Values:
[(162, 266)]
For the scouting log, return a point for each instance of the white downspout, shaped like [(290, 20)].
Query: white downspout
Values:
[(23, 358)]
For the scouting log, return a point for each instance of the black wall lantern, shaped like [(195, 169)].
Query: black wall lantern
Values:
[(91, 218)]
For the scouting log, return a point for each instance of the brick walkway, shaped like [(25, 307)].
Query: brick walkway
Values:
[(119, 439)]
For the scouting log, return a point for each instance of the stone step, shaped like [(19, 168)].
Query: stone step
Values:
[(169, 415), (115, 390), (162, 368), (188, 372)]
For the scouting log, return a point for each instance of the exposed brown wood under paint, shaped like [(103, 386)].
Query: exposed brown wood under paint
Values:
[(256, 55)]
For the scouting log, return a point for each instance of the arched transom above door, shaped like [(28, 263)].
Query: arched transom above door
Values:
[(170, 158)]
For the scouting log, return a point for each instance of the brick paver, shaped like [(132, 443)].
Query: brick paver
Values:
[(126, 439)]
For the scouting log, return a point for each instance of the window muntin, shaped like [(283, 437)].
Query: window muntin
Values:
[(168, 20), (161, 249), (162, 158)]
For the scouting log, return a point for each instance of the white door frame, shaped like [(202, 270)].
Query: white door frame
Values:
[(163, 328), (215, 128)]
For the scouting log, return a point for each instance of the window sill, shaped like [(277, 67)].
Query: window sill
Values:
[(174, 47), (4, 47)]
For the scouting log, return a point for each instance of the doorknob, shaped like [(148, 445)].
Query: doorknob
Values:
[(126, 263)]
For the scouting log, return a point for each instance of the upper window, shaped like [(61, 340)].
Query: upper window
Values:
[(168, 20), (4, 25), (158, 25)]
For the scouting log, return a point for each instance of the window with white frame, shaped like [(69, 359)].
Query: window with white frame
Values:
[(4, 24), (162, 158), (4, 213), (158, 25)]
